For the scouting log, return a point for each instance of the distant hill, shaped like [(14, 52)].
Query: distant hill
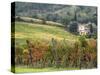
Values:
[(55, 12)]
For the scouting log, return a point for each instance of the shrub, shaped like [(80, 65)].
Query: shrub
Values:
[(82, 40), (59, 53), (18, 55)]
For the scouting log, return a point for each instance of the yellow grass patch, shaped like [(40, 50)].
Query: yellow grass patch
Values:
[(20, 35)]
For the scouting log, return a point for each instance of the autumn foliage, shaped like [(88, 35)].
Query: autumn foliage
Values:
[(80, 54)]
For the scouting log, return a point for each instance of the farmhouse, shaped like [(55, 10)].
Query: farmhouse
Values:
[(80, 28), (83, 29)]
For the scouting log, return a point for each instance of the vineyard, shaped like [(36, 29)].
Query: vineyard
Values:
[(48, 47)]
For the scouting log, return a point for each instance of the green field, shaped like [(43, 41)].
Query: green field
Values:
[(26, 70), (40, 32)]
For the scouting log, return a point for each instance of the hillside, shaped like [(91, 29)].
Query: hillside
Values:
[(24, 31), (55, 12), (48, 43)]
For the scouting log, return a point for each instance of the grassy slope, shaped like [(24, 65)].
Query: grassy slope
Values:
[(39, 31), (25, 31)]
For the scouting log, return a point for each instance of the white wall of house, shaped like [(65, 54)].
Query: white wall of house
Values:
[(83, 29)]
